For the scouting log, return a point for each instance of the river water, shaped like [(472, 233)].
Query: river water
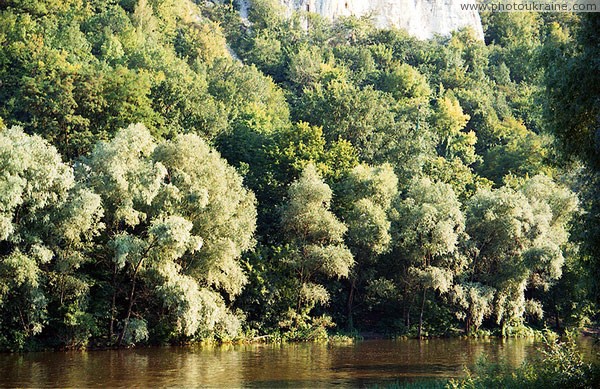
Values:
[(363, 363)]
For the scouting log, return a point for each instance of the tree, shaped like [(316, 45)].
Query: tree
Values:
[(572, 112), (364, 201), (516, 39), (252, 99), (518, 151), (517, 237), (177, 219), (46, 225), (406, 84), (303, 144), (361, 116), (305, 66), (223, 212), (204, 41), (431, 224), (317, 238), (573, 87), (449, 121), (475, 301)]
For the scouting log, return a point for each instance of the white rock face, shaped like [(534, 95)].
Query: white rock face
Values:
[(421, 18)]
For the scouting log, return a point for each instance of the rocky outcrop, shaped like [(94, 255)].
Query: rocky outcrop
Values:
[(421, 18)]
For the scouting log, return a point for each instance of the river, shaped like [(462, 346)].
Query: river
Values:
[(361, 364)]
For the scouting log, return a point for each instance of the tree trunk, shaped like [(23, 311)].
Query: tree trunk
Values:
[(468, 324), (130, 307), (113, 306), (420, 332), (350, 304), (126, 323), (408, 310)]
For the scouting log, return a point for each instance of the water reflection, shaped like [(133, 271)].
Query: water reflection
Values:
[(295, 365)]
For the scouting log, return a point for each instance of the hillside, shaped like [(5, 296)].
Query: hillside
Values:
[(171, 173)]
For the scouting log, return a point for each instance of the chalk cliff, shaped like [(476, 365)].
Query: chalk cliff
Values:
[(421, 18)]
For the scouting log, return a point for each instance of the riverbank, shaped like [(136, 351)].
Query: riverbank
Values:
[(561, 364)]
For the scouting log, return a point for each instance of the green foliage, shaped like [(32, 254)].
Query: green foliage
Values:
[(517, 237), (571, 110), (450, 120), (430, 220), (316, 236), (360, 116), (430, 224), (560, 366), (476, 303), (366, 177), (303, 144), (178, 217), (303, 328), (405, 83), (46, 224), (365, 198)]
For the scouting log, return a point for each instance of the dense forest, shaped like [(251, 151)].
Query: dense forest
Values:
[(172, 172)]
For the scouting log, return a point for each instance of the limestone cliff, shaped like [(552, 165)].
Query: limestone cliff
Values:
[(421, 18)]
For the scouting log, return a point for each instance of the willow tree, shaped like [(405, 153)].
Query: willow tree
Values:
[(518, 236), (364, 201), (430, 225), (46, 223), (316, 237), (475, 302), (177, 218)]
